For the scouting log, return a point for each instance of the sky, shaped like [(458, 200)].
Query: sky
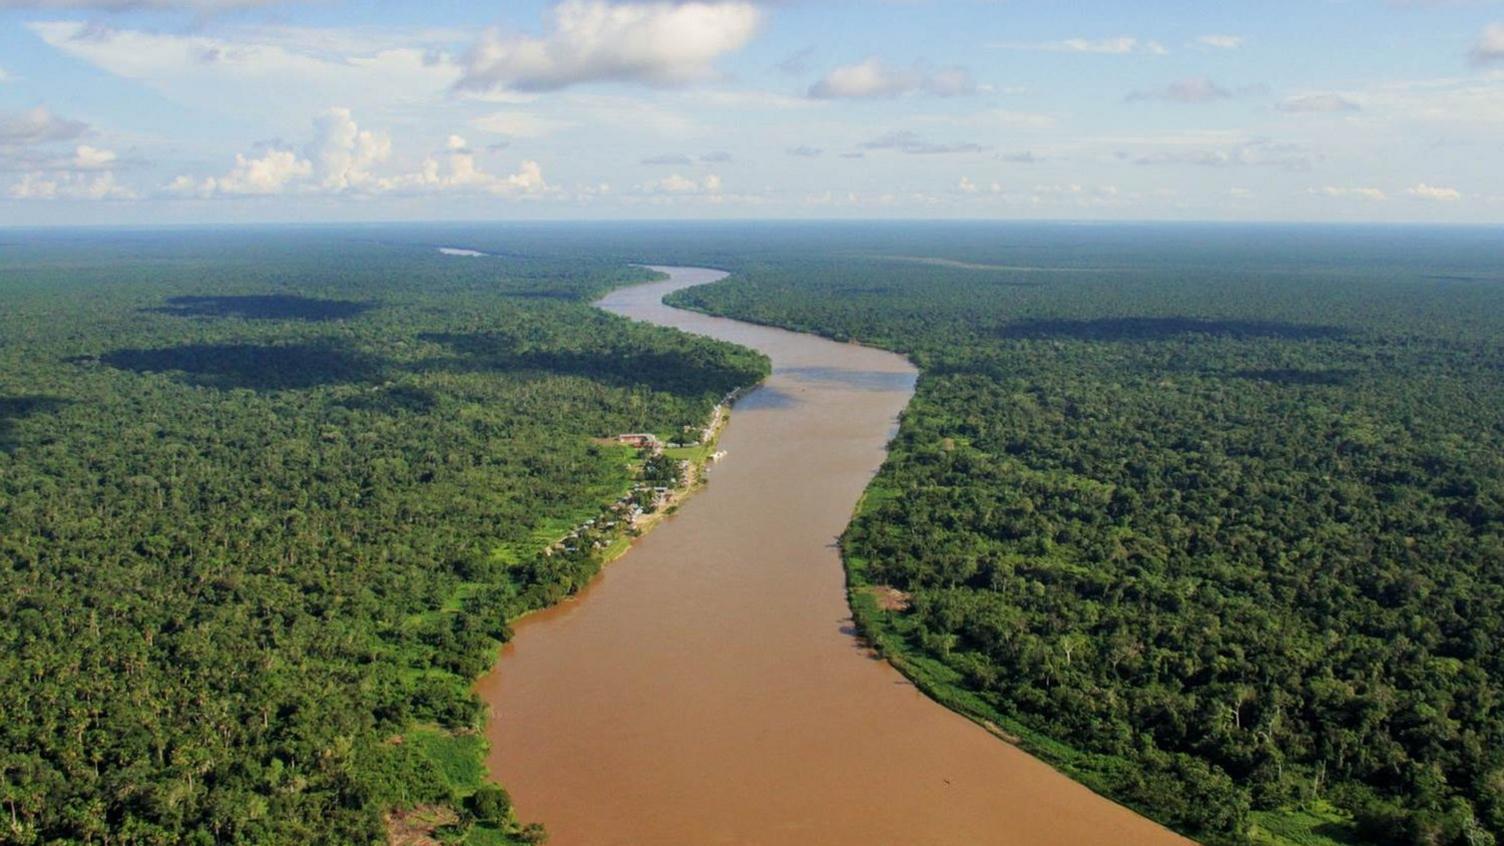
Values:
[(224, 111)]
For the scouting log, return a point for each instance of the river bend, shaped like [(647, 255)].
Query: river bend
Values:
[(708, 688)]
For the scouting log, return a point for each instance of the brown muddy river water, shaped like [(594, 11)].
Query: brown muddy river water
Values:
[(708, 688)]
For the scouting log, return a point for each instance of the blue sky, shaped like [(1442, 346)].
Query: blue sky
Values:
[(164, 111)]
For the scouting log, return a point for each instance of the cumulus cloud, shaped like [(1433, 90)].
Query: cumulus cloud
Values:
[(1489, 49), (1423, 191), (29, 143), (1221, 42), (38, 126), (457, 171), (1118, 46), (93, 158), (874, 79), (343, 158), (914, 144), (1192, 90), (1319, 103), (656, 43), (269, 173), (344, 153)]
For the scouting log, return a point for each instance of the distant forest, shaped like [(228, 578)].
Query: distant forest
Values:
[(1210, 517), (267, 502)]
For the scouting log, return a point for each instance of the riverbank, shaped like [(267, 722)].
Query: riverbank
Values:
[(605, 534), (742, 706), (878, 612)]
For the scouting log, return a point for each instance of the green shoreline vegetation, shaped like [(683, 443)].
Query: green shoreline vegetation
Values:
[(1216, 532), (266, 502)]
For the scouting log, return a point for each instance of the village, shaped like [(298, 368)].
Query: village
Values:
[(669, 473)]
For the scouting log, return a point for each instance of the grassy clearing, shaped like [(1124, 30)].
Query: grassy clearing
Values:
[(1319, 825), (696, 454), (459, 757)]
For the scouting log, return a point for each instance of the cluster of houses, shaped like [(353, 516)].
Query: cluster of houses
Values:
[(644, 498)]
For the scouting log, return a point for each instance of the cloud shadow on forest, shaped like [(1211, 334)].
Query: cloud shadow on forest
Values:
[(259, 367), (1164, 328), (264, 307), (670, 372), (14, 408)]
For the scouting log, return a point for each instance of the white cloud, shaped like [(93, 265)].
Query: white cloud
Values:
[(1490, 46), (4, 76), (270, 173), (1221, 42), (457, 172), (515, 124), (93, 158), (1371, 194), (343, 159), (344, 153), (1423, 191), (657, 43), (1318, 103), (1118, 46), (872, 78)]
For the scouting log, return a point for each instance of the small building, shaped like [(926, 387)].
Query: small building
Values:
[(638, 440)]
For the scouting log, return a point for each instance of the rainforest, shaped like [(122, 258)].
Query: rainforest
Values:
[(1210, 518)]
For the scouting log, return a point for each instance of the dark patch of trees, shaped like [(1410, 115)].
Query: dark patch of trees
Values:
[(252, 366)]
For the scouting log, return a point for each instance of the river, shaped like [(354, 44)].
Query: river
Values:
[(708, 687)]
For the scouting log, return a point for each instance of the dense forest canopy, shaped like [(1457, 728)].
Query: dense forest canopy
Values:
[(267, 501), (1211, 516)]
